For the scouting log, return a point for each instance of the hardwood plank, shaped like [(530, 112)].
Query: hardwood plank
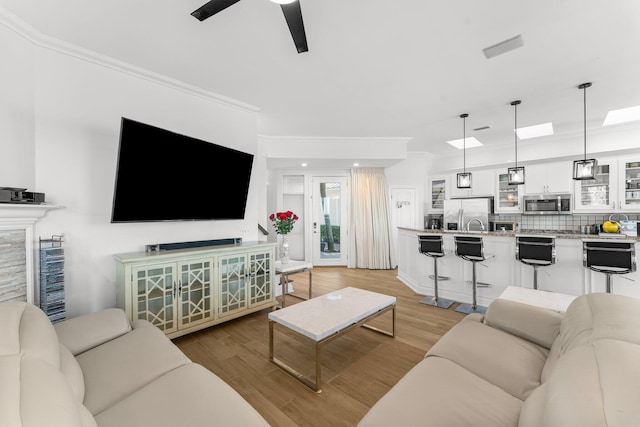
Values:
[(357, 369)]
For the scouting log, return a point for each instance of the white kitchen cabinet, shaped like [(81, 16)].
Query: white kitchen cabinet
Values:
[(549, 178), (182, 291), (599, 194), (482, 184), (615, 189), (629, 183), (438, 192), (507, 196)]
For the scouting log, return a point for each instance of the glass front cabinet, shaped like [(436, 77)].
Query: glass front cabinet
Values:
[(183, 291), (508, 196), (437, 194), (629, 194), (599, 194)]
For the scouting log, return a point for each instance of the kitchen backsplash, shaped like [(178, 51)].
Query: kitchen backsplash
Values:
[(551, 222)]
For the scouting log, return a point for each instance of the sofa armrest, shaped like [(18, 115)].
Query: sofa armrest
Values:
[(538, 325), (85, 332)]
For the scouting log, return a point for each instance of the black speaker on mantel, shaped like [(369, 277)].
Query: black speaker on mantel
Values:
[(199, 244)]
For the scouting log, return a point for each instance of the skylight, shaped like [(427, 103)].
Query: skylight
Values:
[(535, 131), (471, 142), (622, 115)]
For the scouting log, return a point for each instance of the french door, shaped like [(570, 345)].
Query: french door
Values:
[(330, 227)]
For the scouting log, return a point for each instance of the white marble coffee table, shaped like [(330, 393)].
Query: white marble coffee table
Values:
[(325, 318)]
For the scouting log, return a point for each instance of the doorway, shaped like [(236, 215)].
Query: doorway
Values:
[(330, 226)]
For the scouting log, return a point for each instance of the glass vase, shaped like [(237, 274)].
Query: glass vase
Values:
[(284, 249)]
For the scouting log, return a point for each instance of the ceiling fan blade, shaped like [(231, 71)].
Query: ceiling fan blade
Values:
[(293, 15), (211, 8)]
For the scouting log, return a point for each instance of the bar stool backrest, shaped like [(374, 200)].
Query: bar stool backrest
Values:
[(469, 247), (431, 245), (536, 248), (598, 255)]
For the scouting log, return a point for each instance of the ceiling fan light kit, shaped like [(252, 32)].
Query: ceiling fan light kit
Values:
[(586, 168), (464, 178), (290, 8)]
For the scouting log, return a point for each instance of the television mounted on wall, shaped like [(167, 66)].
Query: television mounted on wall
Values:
[(165, 176)]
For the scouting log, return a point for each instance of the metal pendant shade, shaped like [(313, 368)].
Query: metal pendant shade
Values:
[(585, 168), (464, 178), (516, 174)]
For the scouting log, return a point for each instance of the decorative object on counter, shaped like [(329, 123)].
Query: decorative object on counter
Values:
[(516, 174), (283, 224), (464, 178), (585, 168)]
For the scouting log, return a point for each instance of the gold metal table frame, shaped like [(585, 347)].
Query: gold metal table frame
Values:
[(316, 385)]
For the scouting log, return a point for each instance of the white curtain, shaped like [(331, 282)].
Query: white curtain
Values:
[(370, 223)]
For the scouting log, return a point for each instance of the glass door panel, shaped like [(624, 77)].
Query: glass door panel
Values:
[(595, 194), (631, 185), (330, 221)]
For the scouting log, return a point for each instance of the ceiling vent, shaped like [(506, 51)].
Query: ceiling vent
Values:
[(503, 47)]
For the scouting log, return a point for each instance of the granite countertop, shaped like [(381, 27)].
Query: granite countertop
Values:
[(560, 234)]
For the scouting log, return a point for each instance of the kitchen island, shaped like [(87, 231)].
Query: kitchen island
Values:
[(567, 275)]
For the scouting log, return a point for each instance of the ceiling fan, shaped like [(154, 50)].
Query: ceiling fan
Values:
[(290, 8)]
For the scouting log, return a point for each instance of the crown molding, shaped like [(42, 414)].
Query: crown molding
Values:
[(29, 33), (333, 139)]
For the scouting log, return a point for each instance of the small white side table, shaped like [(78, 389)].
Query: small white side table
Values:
[(292, 267), (551, 300)]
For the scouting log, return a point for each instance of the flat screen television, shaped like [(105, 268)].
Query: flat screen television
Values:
[(165, 176)]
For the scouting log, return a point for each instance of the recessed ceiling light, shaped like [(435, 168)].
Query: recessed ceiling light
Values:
[(356, 164), (471, 142), (535, 131), (304, 165), (283, 1), (622, 115)]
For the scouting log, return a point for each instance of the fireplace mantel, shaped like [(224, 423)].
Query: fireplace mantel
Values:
[(23, 213), (15, 216)]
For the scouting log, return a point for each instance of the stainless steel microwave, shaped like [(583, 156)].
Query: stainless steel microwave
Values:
[(547, 204)]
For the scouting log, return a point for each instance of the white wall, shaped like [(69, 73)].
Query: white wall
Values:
[(17, 125), (77, 105)]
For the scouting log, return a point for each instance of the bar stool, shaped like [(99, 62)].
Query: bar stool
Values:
[(471, 248), (431, 246), (609, 257), (536, 251)]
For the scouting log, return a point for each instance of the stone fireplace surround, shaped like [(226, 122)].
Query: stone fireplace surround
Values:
[(18, 259)]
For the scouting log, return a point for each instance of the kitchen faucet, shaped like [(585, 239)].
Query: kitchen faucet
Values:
[(475, 220)]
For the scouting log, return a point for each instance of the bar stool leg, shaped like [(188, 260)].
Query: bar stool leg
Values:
[(474, 307), (535, 277), (435, 300), (608, 282)]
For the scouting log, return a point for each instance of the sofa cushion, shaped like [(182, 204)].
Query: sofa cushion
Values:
[(187, 396), (440, 393), (81, 333), (532, 410), (505, 360), (595, 385), (70, 368), (27, 330), (596, 316), (46, 398), (116, 369), (535, 324)]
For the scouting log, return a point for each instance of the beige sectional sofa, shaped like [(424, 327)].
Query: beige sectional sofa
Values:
[(101, 370), (521, 365)]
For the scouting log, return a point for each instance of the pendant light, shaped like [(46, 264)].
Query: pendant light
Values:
[(586, 168), (516, 174), (464, 178)]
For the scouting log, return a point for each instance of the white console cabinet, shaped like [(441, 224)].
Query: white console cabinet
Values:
[(182, 291)]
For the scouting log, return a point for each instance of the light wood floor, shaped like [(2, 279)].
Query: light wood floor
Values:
[(357, 368)]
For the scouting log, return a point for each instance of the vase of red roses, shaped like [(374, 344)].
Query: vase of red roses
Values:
[(283, 224)]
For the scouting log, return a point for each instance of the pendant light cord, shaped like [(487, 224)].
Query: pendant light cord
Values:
[(464, 142), (584, 87)]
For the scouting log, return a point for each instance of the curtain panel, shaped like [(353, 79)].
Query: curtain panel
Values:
[(370, 222)]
